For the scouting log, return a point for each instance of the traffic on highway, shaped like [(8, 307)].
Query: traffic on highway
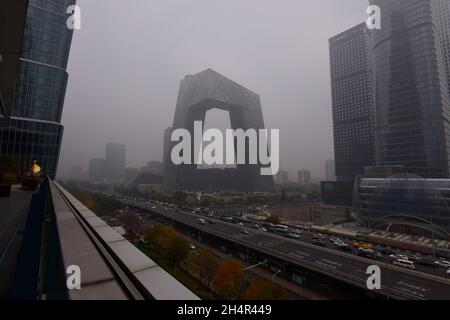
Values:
[(408, 275)]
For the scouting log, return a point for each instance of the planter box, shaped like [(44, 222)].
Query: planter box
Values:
[(5, 190)]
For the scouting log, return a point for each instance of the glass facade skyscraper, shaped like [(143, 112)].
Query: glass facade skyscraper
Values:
[(441, 10), (352, 101), (411, 88), (35, 130)]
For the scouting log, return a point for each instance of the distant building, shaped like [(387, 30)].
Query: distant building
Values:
[(131, 174), (282, 177), (115, 162), (97, 170), (304, 178), (155, 167), (330, 174), (352, 103)]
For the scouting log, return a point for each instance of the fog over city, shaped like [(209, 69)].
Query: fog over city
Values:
[(127, 61)]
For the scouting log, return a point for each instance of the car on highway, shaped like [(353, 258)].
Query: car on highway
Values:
[(404, 263), (262, 229), (294, 235), (319, 242), (201, 221), (448, 272), (442, 264), (396, 256), (318, 236), (244, 231), (426, 263), (335, 240), (342, 246), (153, 207), (240, 223), (192, 246), (282, 228)]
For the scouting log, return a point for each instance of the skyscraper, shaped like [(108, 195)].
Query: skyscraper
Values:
[(36, 98), (115, 162), (411, 88), (441, 9), (304, 178), (352, 102)]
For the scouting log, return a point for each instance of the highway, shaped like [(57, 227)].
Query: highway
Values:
[(396, 282)]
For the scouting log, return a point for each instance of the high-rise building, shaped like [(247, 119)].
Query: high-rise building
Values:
[(411, 88), (352, 102), (115, 162), (330, 173), (304, 177), (97, 170), (33, 80), (441, 9)]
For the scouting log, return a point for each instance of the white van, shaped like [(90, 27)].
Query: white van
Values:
[(281, 228), (404, 263)]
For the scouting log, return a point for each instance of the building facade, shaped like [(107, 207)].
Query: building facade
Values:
[(412, 126), (404, 199), (304, 177), (199, 93), (34, 131), (352, 102), (115, 162), (441, 10)]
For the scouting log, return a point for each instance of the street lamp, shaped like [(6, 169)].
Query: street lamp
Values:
[(255, 265), (275, 274)]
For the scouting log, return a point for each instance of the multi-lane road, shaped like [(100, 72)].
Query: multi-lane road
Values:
[(396, 282)]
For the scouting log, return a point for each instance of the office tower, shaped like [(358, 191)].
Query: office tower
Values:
[(131, 174), (441, 10), (115, 162), (199, 93), (304, 178), (411, 89), (352, 102), (330, 173), (33, 80), (97, 170)]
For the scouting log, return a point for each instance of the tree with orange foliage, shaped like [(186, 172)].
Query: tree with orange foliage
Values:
[(264, 290), (229, 279)]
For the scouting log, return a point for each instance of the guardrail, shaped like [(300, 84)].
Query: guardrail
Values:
[(111, 267)]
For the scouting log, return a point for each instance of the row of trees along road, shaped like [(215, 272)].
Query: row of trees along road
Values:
[(225, 277)]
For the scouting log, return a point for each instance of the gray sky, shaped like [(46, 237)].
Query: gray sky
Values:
[(127, 60)]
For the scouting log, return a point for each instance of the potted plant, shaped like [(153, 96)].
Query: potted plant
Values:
[(9, 171)]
